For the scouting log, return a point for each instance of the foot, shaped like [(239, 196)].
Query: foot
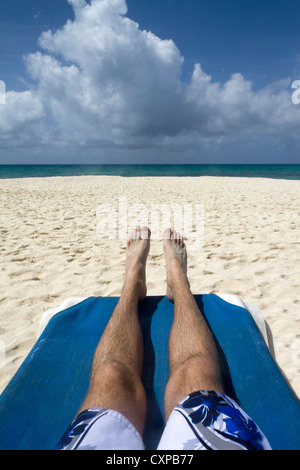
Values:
[(176, 262), (138, 247)]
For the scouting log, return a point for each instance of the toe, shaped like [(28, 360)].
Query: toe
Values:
[(132, 235), (167, 234), (145, 233), (135, 233)]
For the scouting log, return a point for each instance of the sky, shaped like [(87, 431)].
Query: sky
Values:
[(149, 81)]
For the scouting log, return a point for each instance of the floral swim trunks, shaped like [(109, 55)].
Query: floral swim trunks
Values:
[(203, 420)]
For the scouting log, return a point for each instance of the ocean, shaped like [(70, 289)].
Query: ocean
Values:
[(289, 172)]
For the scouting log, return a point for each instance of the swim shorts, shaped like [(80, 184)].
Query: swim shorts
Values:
[(204, 420)]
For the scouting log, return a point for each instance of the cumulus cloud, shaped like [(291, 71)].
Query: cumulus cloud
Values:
[(103, 83)]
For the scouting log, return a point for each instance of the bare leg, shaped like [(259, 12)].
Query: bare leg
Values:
[(117, 366), (193, 356)]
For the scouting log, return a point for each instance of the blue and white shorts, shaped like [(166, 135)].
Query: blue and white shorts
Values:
[(204, 420)]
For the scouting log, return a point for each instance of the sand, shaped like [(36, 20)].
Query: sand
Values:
[(51, 249)]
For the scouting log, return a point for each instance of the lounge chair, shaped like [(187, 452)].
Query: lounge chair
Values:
[(43, 397)]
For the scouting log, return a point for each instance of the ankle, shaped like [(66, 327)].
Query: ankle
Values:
[(134, 286), (180, 285), (131, 287), (176, 273)]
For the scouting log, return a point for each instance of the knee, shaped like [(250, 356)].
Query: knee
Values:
[(117, 387), (196, 373), (115, 377), (196, 369), (109, 371)]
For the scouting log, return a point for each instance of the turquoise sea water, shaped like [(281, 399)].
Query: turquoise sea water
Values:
[(290, 172)]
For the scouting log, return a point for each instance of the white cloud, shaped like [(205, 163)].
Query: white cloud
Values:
[(102, 82)]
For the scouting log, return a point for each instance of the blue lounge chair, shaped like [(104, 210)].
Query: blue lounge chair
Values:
[(44, 395)]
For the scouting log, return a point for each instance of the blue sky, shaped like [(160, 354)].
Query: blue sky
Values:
[(258, 38), (21, 23), (182, 81)]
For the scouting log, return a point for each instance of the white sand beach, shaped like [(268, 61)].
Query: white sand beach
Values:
[(51, 250)]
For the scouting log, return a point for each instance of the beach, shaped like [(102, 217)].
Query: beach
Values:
[(244, 241)]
